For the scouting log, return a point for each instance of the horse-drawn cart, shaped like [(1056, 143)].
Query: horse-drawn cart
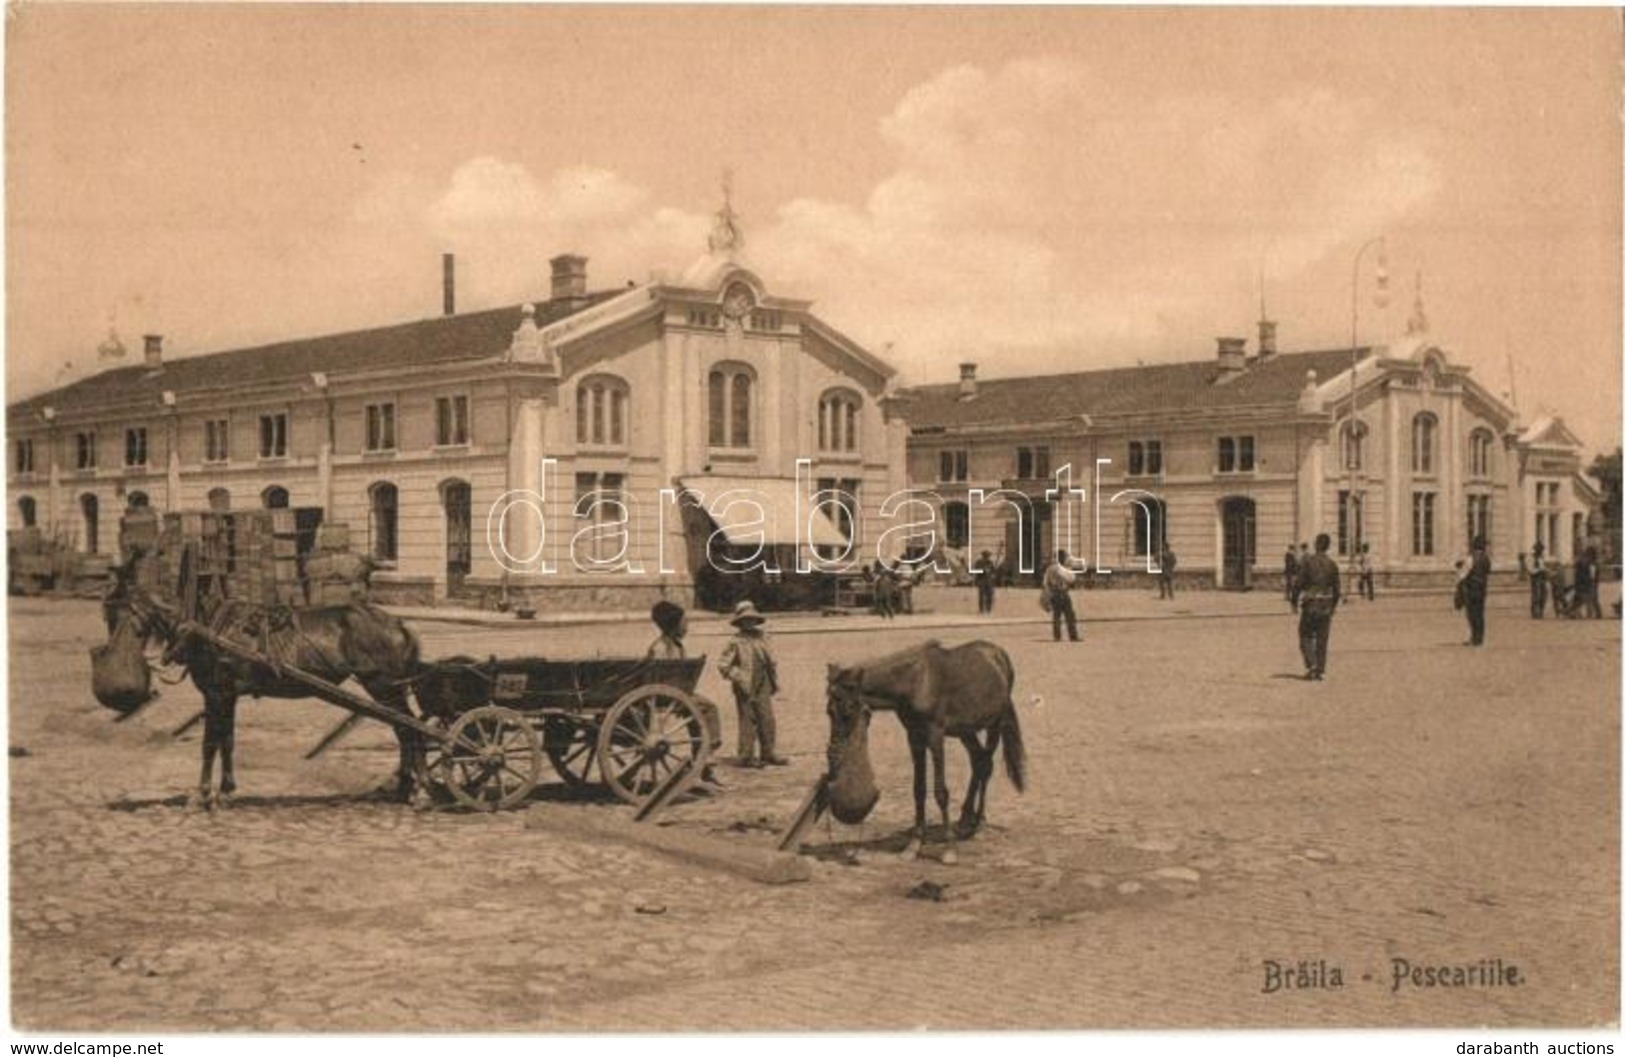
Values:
[(479, 730), (632, 724)]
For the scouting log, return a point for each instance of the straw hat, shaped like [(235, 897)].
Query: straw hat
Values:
[(745, 615)]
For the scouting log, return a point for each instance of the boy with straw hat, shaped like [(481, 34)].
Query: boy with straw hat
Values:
[(747, 663)]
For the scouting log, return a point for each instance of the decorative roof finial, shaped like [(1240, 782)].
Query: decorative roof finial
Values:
[(112, 348), (725, 237), (1418, 323)]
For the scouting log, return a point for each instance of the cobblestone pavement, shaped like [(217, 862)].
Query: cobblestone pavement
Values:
[(1195, 810)]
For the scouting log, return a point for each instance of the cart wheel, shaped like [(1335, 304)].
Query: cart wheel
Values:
[(491, 759), (647, 736), (572, 749)]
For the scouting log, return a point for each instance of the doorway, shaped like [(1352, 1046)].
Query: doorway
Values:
[(1239, 518)]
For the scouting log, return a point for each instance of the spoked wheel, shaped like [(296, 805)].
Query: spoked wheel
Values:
[(572, 750), (491, 759), (646, 737)]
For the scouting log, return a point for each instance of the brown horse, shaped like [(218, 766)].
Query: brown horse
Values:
[(935, 691), (334, 644)]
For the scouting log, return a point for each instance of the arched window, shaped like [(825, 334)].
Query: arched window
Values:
[(729, 391), (838, 421), (602, 411), (274, 497), (1148, 518), (458, 499), (1480, 444), (219, 500), (384, 519), (27, 510), (1354, 434), (1423, 429)]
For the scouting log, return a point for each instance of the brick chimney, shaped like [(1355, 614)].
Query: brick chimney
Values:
[(569, 277), (1232, 354), (967, 381), (448, 283), (1266, 338), (154, 350)]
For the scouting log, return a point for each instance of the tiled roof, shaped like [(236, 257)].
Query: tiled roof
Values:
[(1163, 387), (471, 336)]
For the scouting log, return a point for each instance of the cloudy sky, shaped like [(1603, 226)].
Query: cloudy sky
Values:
[(1036, 189)]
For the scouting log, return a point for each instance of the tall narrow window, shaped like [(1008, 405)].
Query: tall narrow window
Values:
[(1227, 455), (603, 534), (1423, 427), (838, 422), (601, 412), (1480, 445), (27, 510), (955, 465), (729, 388), (385, 514), (135, 446), (450, 421), (1350, 521), (216, 440), (1354, 434), (1478, 517), (1422, 524), (380, 427), (84, 449), (739, 413), (1136, 457), (25, 456), (274, 436), (90, 511)]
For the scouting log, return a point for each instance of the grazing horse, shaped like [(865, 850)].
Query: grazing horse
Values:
[(935, 691), (333, 643)]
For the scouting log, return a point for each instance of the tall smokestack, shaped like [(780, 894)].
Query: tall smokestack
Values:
[(154, 349), (448, 283), (967, 381)]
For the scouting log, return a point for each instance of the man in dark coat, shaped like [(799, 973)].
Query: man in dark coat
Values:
[(985, 574), (1319, 587), (1290, 576), (1537, 581), (1475, 586)]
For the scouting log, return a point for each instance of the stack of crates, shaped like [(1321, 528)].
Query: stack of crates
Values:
[(259, 555), (334, 576)]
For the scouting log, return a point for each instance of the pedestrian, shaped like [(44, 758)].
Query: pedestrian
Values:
[(1475, 585), (1290, 576), (1560, 589), (986, 574), (1586, 603), (672, 621), (885, 591), (1320, 585), (748, 665), (1368, 578), (1165, 572), (1538, 581), (1057, 588)]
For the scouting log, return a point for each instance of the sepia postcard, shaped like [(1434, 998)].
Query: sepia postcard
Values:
[(544, 520)]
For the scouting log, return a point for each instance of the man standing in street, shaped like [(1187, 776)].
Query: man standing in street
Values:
[(985, 574), (1475, 585), (748, 665), (1165, 572), (1290, 576), (1368, 586), (1058, 581), (1537, 581), (1320, 585)]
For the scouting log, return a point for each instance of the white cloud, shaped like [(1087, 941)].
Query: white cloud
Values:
[(1030, 208)]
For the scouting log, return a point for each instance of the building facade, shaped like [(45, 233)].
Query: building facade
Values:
[(554, 455), (1229, 461)]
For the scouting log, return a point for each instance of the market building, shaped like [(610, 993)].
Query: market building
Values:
[(576, 453), (1231, 459)]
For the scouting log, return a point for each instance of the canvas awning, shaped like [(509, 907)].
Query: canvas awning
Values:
[(763, 510)]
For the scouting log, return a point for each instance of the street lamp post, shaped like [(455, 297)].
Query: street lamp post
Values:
[(1352, 444)]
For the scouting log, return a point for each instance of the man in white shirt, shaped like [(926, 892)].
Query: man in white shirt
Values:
[(1058, 581)]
